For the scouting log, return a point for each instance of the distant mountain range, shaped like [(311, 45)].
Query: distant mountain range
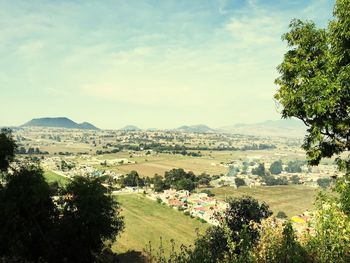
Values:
[(130, 128), (284, 127), (200, 128), (59, 122)]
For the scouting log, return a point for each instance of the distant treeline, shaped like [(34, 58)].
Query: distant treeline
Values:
[(175, 178), (184, 150), (31, 150)]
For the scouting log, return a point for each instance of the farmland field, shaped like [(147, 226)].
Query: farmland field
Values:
[(209, 163), (160, 163), (146, 220), (292, 199)]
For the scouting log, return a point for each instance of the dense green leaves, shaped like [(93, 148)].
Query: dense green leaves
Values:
[(89, 216), (260, 170), (244, 213), (7, 149), (28, 215), (314, 82), (74, 229), (276, 167)]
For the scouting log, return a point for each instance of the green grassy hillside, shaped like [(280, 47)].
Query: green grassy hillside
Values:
[(146, 220)]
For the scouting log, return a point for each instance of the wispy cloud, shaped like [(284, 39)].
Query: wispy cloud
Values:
[(211, 61)]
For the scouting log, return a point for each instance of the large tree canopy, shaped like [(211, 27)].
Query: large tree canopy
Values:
[(7, 149), (28, 215), (314, 83), (89, 217)]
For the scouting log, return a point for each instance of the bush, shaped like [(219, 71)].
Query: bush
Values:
[(324, 182), (281, 215), (276, 167), (240, 182)]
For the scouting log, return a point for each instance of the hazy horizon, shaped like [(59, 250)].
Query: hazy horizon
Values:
[(152, 64)]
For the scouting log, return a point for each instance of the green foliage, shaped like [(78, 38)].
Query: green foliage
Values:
[(89, 217), (7, 149), (260, 170), (240, 182), (231, 241), (330, 242), (343, 187), (276, 167), (28, 215), (324, 182), (211, 247), (295, 179), (132, 179), (314, 82), (294, 167), (290, 250), (203, 179), (158, 183), (242, 213), (180, 180), (233, 171), (281, 215), (33, 228), (270, 180)]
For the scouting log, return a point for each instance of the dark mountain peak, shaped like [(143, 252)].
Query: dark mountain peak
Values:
[(59, 122), (87, 126)]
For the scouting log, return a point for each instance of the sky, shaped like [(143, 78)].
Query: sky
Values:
[(153, 64)]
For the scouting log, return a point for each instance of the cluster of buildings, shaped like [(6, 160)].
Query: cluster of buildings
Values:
[(198, 205)]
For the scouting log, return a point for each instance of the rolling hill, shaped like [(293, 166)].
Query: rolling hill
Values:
[(130, 128), (200, 128), (284, 128), (59, 122)]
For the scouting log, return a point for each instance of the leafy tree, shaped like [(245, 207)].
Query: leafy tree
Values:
[(295, 179), (270, 180), (185, 184), (22, 150), (158, 183), (314, 83), (260, 170), (324, 182), (294, 167), (211, 247), (233, 171), (179, 179), (28, 215), (276, 167), (281, 215), (7, 149), (31, 150), (89, 217), (244, 214), (240, 182), (203, 179), (133, 179)]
